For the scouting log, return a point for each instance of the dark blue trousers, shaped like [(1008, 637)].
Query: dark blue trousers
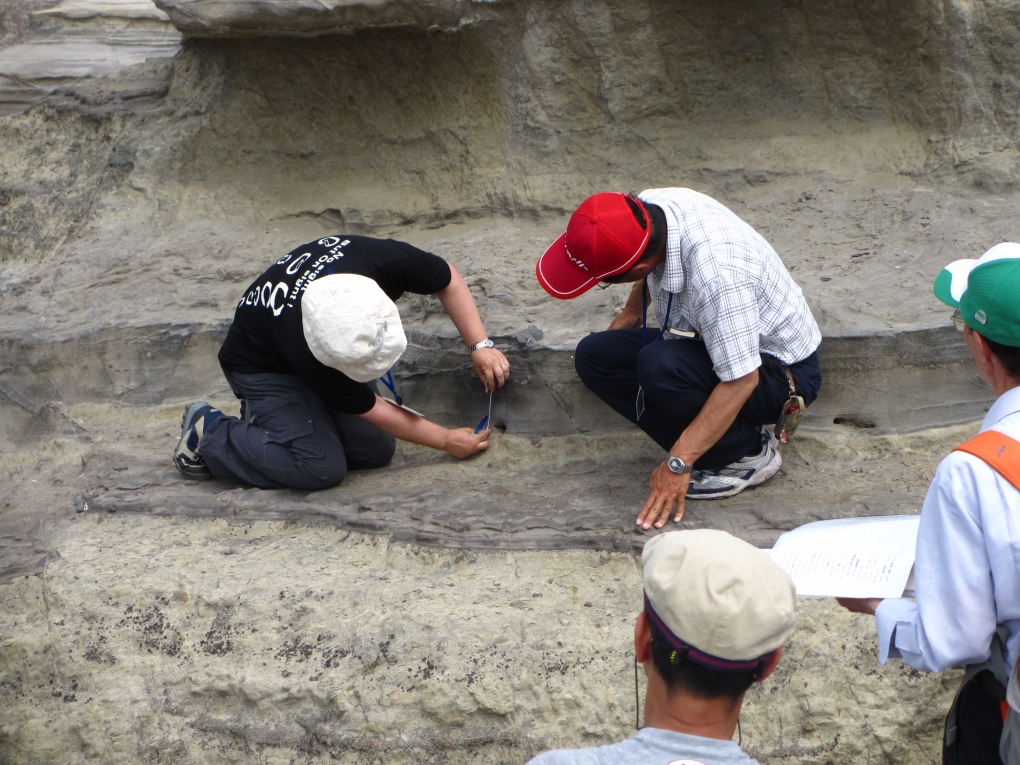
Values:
[(297, 440), (677, 379)]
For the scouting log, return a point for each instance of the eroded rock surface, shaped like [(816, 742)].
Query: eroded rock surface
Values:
[(83, 50), (214, 641), (239, 18), (567, 492), (148, 184)]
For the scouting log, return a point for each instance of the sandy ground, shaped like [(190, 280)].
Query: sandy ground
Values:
[(178, 640)]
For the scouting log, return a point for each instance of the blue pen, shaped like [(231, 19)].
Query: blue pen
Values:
[(485, 417)]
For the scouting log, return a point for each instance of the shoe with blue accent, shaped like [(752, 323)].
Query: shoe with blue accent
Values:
[(752, 470), (188, 457)]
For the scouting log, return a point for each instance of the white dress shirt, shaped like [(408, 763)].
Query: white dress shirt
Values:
[(967, 570), (728, 284)]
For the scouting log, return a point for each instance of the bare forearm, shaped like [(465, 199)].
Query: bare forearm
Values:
[(630, 316), (460, 442), (406, 426), (715, 417), (490, 364), (667, 489), (633, 304), (459, 305)]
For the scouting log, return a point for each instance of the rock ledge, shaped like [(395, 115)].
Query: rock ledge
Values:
[(310, 18)]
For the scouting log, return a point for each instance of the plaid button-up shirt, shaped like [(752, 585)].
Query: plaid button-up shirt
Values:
[(729, 285)]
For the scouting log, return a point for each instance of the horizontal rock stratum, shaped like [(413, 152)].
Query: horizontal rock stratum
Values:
[(240, 18)]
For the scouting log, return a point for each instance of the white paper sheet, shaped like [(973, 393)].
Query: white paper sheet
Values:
[(850, 557), (402, 406)]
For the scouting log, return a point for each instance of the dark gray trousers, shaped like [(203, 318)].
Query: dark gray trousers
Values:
[(296, 439)]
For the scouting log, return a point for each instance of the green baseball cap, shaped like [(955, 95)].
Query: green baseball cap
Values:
[(987, 292)]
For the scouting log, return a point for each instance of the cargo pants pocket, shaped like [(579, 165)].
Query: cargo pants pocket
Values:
[(287, 424)]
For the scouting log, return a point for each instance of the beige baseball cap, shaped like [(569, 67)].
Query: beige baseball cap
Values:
[(717, 596), (350, 324)]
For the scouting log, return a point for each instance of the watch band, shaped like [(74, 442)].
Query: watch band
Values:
[(677, 465), (486, 343)]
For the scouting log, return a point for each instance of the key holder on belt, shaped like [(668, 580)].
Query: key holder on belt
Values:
[(792, 412)]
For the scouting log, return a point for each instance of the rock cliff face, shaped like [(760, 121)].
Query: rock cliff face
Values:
[(146, 177)]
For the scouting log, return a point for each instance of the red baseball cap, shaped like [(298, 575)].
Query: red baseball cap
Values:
[(603, 239)]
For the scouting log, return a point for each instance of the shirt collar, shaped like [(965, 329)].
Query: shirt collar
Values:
[(671, 277), (1006, 404)]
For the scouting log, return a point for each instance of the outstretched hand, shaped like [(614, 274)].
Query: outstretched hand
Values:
[(666, 490), (464, 442), (491, 367)]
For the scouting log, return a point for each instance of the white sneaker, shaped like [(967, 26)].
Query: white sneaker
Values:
[(733, 479)]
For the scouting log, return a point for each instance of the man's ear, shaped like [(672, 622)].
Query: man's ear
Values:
[(640, 270), (642, 639), (987, 364), (771, 664)]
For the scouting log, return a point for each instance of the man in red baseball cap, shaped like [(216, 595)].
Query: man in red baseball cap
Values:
[(732, 341)]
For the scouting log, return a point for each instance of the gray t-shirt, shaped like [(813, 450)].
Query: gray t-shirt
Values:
[(652, 746)]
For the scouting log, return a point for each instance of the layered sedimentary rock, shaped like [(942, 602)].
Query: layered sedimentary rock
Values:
[(239, 18), (152, 180), (62, 48)]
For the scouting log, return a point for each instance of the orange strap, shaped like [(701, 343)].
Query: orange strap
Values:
[(1001, 452)]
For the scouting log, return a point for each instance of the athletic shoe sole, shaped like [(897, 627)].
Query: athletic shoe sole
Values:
[(757, 478), (187, 423)]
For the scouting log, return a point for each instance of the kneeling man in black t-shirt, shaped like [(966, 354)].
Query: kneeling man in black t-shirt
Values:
[(309, 338)]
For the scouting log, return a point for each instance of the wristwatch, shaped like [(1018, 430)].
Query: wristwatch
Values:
[(486, 343), (677, 465)]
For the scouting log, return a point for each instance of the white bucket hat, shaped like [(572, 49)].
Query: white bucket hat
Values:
[(350, 324), (720, 598)]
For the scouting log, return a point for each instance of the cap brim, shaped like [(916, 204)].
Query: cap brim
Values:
[(951, 282), (559, 276), (562, 279)]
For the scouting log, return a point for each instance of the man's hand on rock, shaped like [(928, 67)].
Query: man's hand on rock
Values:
[(860, 605), (666, 490), (464, 442), (491, 367)]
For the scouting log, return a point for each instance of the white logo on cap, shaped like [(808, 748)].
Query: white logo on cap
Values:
[(574, 260), (687, 762), (981, 316)]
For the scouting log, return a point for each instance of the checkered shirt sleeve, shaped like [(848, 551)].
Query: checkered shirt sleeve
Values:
[(728, 315)]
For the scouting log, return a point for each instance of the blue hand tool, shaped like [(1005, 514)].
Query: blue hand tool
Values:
[(485, 417)]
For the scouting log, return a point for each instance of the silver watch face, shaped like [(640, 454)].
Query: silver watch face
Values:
[(677, 465)]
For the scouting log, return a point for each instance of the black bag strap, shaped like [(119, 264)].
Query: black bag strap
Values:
[(995, 685)]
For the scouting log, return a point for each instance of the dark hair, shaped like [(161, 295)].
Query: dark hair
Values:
[(680, 673), (1008, 356), (657, 219)]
